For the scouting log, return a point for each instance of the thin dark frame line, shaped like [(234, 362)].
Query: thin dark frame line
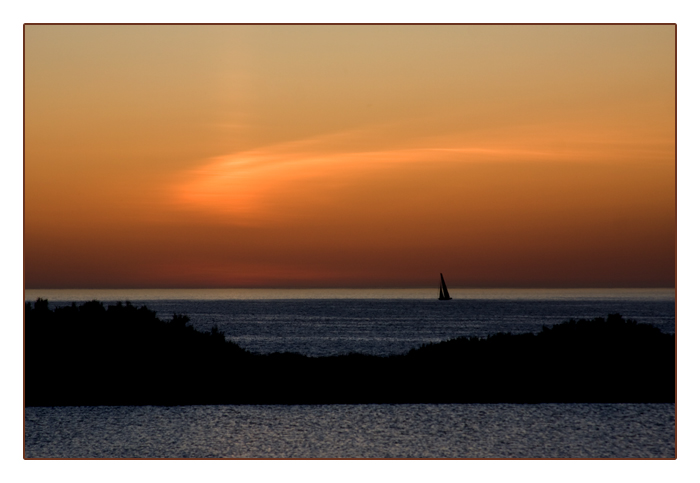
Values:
[(351, 23)]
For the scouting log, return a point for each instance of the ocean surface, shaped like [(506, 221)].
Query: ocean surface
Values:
[(381, 322)]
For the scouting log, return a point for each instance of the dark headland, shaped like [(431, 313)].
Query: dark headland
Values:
[(92, 355)]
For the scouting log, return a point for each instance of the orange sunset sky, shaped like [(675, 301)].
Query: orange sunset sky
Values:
[(349, 156)]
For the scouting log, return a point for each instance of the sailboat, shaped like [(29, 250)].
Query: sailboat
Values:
[(444, 294)]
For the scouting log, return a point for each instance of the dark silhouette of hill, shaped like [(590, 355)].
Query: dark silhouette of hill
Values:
[(123, 355)]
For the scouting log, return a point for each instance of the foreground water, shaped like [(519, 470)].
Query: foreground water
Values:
[(354, 431)]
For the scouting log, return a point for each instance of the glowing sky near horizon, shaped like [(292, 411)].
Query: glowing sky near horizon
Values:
[(349, 156)]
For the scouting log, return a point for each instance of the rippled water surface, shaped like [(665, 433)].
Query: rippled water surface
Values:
[(354, 431)]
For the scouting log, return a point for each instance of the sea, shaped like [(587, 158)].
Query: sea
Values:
[(369, 321)]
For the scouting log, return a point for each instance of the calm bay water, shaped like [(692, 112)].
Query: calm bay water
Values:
[(327, 322), (354, 431)]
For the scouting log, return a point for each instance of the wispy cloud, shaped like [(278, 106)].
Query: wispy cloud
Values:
[(261, 185), (248, 187)]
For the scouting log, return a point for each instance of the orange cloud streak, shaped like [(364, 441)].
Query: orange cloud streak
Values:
[(264, 185)]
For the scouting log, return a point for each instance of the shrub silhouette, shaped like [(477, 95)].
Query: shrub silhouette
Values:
[(90, 354)]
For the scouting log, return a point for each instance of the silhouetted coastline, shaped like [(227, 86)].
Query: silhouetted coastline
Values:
[(92, 355)]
